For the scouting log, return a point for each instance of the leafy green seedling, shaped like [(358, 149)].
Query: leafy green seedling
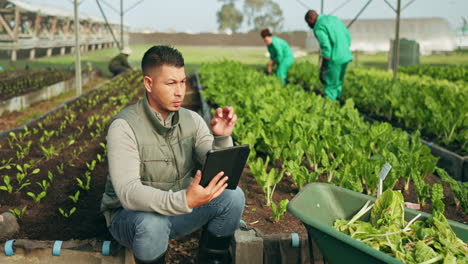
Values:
[(85, 186), (19, 213), (7, 187), (278, 211), (62, 212), (91, 165), (75, 197), (37, 198), (50, 176), (44, 185)]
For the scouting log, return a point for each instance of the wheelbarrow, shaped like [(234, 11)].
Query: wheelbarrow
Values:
[(319, 205)]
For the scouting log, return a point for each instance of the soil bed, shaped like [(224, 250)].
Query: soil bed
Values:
[(78, 131), (259, 216), (9, 120)]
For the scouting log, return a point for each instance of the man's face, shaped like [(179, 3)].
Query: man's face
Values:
[(311, 22), (268, 40), (165, 86)]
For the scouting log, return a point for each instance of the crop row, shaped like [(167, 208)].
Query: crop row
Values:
[(436, 108), (59, 164), (14, 83), (315, 139), (452, 73)]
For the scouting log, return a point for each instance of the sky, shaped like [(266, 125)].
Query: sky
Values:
[(195, 16)]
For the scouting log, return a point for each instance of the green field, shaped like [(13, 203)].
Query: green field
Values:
[(195, 55)]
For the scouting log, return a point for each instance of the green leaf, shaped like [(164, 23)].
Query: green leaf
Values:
[(450, 259), (72, 211), (437, 196), (424, 252), (324, 160), (388, 209), (41, 195)]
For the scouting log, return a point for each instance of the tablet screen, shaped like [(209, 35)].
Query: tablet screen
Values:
[(231, 160)]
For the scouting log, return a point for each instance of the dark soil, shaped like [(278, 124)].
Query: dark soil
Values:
[(452, 212), (258, 215), (42, 221)]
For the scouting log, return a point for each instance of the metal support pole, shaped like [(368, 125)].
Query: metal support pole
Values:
[(109, 27), (340, 6), (121, 25), (321, 7), (77, 51), (407, 4), (358, 14), (396, 46)]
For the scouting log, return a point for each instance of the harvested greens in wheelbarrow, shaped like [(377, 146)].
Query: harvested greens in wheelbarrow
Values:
[(428, 241)]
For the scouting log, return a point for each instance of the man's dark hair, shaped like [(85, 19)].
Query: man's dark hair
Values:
[(158, 56), (265, 33), (310, 13)]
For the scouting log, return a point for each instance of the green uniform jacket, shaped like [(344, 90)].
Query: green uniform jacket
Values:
[(334, 39), (118, 62), (280, 52)]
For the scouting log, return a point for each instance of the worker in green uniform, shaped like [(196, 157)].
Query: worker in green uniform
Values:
[(335, 42), (280, 54), (119, 63)]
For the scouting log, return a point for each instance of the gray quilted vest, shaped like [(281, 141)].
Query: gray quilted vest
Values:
[(165, 152)]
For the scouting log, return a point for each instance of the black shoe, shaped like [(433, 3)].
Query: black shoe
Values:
[(214, 249), (159, 260)]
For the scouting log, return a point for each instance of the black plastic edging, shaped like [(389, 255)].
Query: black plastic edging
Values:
[(286, 248), (282, 248), (455, 165), (6, 132), (204, 107)]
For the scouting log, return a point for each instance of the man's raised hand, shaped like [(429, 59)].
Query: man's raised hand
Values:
[(223, 121)]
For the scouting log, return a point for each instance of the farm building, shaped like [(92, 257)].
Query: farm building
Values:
[(29, 30)]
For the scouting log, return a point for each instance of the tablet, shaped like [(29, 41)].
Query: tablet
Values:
[(231, 160)]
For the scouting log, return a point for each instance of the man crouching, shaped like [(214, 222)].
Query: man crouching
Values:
[(152, 192)]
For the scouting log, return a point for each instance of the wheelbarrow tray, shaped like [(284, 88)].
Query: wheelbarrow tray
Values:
[(319, 205)]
